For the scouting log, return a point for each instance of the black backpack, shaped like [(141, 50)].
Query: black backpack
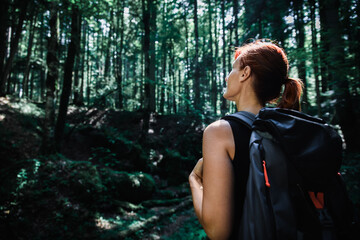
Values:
[(294, 189)]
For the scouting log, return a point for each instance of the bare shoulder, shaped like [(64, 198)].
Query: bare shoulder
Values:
[(220, 129)]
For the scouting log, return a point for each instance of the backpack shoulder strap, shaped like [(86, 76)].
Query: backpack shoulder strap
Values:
[(245, 118)]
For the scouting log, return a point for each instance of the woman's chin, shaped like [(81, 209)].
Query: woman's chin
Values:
[(226, 96)]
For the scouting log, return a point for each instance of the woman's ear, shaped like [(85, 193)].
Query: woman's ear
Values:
[(246, 72)]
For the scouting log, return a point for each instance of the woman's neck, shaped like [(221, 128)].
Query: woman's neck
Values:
[(248, 101)]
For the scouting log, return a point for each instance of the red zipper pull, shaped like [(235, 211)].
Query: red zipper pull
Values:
[(265, 175)]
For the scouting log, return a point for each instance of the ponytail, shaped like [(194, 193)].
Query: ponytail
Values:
[(291, 96), (270, 66)]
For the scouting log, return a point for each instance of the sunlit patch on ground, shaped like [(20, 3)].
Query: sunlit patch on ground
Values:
[(104, 223)]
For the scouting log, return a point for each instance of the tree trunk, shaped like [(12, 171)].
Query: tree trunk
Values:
[(211, 63), (163, 77), (28, 56), (300, 39), (78, 89), (5, 74), (88, 76), (338, 78), (197, 101), (149, 21), (216, 57), (236, 21), (32, 85), (42, 71), (80, 100), (187, 67), (357, 43), (52, 77), (173, 82), (108, 47), (315, 56), (223, 102), (324, 47), (4, 14), (119, 58), (68, 69)]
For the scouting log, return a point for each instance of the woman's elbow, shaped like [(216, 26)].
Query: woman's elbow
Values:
[(216, 231)]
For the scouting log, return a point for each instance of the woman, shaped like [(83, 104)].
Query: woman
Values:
[(218, 180)]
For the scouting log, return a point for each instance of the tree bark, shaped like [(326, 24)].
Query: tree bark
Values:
[(78, 89), (211, 62), (28, 57), (108, 47), (42, 71), (187, 67), (223, 102), (4, 19), (300, 39), (52, 61), (5, 74), (344, 110), (324, 47), (68, 69), (216, 55), (315, 56), (149, 21), (357, 43), (80, 100), (119, 58), (236, 21), (197, 101), (173, 82), (163, 76), (88, 78)]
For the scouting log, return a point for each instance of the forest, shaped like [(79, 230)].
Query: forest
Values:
[(103, 104)]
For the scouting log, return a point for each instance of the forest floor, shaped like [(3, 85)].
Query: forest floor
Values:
[(60, 196), (105, 183)]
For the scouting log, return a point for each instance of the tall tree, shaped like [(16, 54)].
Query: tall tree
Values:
[(108, 47), (29, 52), (196, 80), (211, 61), (68, 72), (120, 27), (236, 21), (187, 64), (79, 63), (357, 36), (42, 54), (315, 55), (5, 74), (4, 13), (338, 79), (300, 40), (149, 22), (324, 47), (223, 102), (52, 61)]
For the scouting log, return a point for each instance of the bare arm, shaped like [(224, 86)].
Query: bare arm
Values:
[(214, 203)]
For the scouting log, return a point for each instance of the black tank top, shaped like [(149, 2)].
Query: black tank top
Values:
[(241, 164)]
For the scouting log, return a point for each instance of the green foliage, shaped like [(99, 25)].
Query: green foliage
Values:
[(105, 157), (125, 147), (350, 171), (133, 187), (190, 229), (171, 164), (58, 198)]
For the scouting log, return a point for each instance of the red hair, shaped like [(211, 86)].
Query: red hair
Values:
[(269, 64)]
